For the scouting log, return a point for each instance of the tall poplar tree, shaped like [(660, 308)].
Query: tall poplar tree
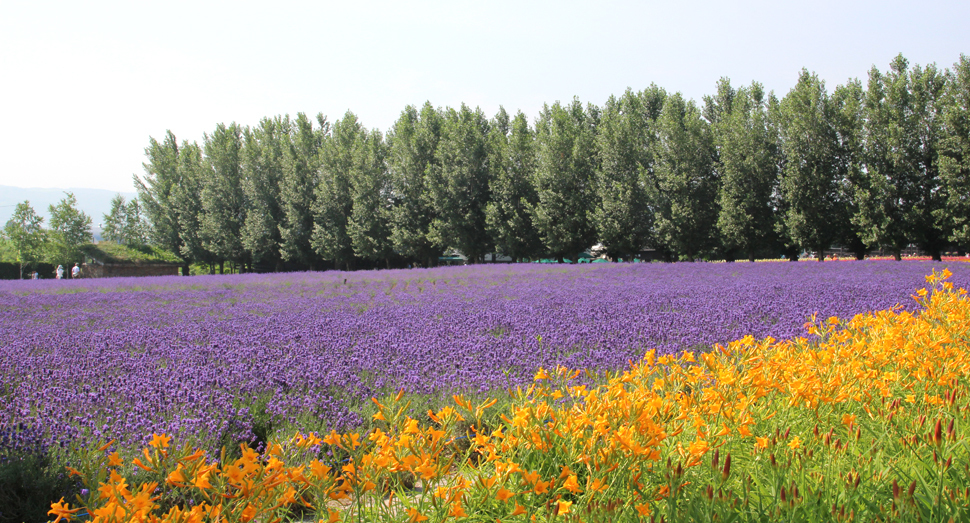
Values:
[(809, 183), (624, 215), (264, 150), (300, 179), (565, 178), (70, 228), (113, 223), (459, 183), (748, 148), (156, 191), (369, 226), (513, 164), (223, 202), (955, 151), (333, 204), (413, 142), (187, 199), (686, 183), (25, 231), (847, 117), (903, 128)]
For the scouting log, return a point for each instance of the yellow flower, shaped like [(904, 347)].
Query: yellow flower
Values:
[(541, 487), (541, 375), (503, 494), (249, 512), (202, 481), (572, 484), (563, 507), (411, 427), (160, 441), (530, 477), (698, 448), (848, 420), (457, 510), (176, 477), (416, 516), (795, 443), (61, 510), (319, 469), (761, 443)]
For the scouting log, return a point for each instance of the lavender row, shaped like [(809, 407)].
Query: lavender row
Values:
[(206, 358)]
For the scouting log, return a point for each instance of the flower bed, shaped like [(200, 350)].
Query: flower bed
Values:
[(864, 420), (218, 360)]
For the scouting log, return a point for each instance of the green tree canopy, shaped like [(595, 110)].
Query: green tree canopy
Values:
[(749, 157), (413, 142), (157, 191), (297, 191), (25, 231), (686, 183), (513, 163), (565, 178), (955, 150), (459, 183), (333, 204), (70, 229), (369, 226), (263, 156), (809, 184), (624, 213), (904, 192)]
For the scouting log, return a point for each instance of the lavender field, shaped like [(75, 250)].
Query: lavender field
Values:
[(214, 359)]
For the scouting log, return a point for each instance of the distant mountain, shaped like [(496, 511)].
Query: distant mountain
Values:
[(94, 202)]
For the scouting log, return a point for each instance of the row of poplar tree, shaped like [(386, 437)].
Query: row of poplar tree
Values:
[(742, 175)]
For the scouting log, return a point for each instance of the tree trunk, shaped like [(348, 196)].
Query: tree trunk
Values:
[(897, 255)]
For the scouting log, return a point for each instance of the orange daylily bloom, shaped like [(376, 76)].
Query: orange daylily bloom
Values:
[(504, 494), (761, 443), (61, 510), (160, 441), (562, 507), (415, 516), (457, 510)]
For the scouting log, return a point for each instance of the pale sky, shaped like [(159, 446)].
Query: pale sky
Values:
[(83, 85)]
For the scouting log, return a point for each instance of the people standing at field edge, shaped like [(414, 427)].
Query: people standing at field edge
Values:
[(59, 272), (76, 271)]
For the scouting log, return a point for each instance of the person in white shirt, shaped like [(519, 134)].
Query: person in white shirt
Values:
[(60, 272), (76, 271)]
